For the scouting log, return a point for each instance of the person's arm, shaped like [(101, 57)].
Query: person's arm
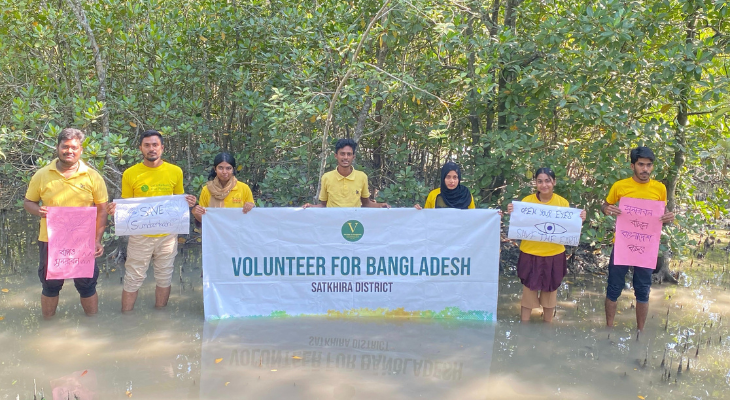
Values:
[(100, 227), (248, 202), (322, 204), (366, 202), (198, 212), (199, 209), (34, 207), (32, 199), (668, 217), (610, 209), (431, 199)]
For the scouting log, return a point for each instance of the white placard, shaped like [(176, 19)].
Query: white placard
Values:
[(541, 223), (152, 215), (351, 262)]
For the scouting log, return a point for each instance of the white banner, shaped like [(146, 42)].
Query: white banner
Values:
[(351, 262), (333, 358), (152, 215), (541, 223)]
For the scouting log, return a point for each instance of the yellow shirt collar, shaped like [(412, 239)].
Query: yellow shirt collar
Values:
[(83, 168), (350, 177)]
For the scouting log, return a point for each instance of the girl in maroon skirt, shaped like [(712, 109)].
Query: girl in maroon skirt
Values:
[(542, 266)]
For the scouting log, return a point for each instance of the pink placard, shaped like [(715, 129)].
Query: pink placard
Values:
[(71, 234), (638, 232)]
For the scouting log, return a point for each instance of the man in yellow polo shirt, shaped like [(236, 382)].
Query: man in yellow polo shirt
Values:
[(345, 186), (639, 186), (67, 182), (152, 177)]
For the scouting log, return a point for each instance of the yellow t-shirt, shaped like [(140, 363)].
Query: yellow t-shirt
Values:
[(236, 197), (431, 199), (543, 249), (142, 181), (84, 188), (652, 190), (344, 191)]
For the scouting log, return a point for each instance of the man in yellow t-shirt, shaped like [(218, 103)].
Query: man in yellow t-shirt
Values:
[(152, 177), (345, 186), (67, 182), (639, 186)]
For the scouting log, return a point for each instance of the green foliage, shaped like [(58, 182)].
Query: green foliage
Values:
[(569, 84), (287, 186), (405, 191)]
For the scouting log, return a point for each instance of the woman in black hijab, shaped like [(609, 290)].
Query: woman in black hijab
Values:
[(451, 194)]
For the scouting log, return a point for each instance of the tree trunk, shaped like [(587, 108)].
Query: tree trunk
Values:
[(664, 273), (473, 95), (328, 121), (78, 11)]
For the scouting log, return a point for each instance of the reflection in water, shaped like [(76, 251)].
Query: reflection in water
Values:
[(172, 354), (320, 358)]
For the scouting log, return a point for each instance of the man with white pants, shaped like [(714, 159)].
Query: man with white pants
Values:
[(151, 177)]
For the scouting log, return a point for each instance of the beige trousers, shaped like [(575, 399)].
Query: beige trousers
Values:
[(141, 249)]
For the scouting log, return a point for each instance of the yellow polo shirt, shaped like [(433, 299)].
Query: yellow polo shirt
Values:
[(652, 190), (431, 199), (84, 188), (344, 191), (236, 197), (142, 181), (543, 249)]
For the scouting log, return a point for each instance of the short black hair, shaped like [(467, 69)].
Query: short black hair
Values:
[(545, 170), (70, 134), (641, 152), (148, 133), (344, 143)]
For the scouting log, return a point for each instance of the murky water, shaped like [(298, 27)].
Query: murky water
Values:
[(174, 354)]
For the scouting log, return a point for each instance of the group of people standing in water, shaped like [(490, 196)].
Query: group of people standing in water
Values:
[(68, 181)]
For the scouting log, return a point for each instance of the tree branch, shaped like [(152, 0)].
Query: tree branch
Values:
[(78, 11), (328, 122)]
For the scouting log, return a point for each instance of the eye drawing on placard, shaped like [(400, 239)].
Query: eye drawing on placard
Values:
[(550, 228)]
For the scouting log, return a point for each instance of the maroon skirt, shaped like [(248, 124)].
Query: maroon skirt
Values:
[(542, 273)]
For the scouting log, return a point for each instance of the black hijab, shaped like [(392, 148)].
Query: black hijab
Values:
[(459, 197)]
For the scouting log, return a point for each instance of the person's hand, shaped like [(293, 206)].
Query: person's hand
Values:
[(191, 200), (306, 205), (418, 207), (111, 208), (510, 208), (99, 249), (612, 210), (43, 211), (499, 212), (198, 212), (384, 205), (667, 217), (248, 206), (583, 215)]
